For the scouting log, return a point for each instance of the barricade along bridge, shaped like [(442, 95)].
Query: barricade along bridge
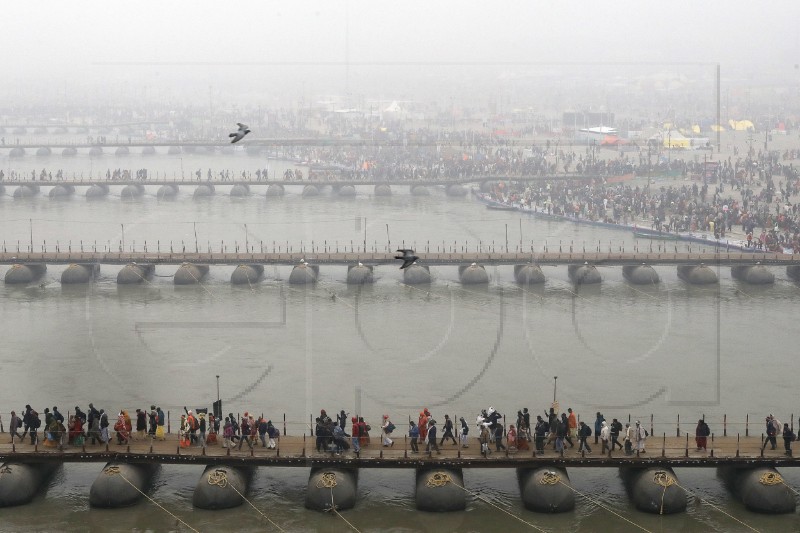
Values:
[(382, 258)]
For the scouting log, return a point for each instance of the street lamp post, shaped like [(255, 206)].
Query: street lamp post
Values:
[(669, 147)]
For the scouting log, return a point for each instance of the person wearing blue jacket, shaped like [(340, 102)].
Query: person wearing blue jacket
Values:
[(413, 433), (598, 426)]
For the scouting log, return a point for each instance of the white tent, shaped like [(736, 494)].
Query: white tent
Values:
[(394, 107)]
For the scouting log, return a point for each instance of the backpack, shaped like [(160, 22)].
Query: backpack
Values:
[(193, 423), (390, 427), (37, 422)]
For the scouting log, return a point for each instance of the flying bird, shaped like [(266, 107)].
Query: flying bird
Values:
[(408, 258), (240, 133)]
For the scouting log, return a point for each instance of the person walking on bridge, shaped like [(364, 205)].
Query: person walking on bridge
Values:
[(702, 431), (202, 430), (483, 438), (161, 420), (568, 434), (80, 415), (386, 429), (247, 426), (413, 433), (572, 422), (540, 431), (432, 445), (103, 418), (153, 420), (616, 428), (15, 425), (629, 437), (788, 437), (464, 433), (598, 421), (422, 423), (526, 423), (584, 432), (771, 435), (227, 433), (560, 432), (641, 436), (447, 433), (605, 437), (93, 426), (141, 424), (355, 435)]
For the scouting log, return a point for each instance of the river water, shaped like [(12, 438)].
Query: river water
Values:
[(387, 348)]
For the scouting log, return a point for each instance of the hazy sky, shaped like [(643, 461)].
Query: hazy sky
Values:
[(159, 43)]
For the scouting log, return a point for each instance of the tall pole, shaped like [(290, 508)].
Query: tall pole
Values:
[(194, 225), (555, 382), (718, 110), (217, 387)]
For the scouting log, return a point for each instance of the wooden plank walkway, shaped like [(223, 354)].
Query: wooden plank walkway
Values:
[(300, 452), (377, 258)]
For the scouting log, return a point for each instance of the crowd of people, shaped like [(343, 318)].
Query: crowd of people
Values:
[(82, 427), (94, 427), (548, 432), (767, 212), (554, 431), (773, 429)]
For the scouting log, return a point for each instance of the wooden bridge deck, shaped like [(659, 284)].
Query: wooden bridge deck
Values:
[(373, 258), (300, 452)]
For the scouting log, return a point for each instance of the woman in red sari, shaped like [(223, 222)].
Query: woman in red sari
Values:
[(212, 430), (511, 435), (363, 432), (520, 439), (75, 435), (123, 432)]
